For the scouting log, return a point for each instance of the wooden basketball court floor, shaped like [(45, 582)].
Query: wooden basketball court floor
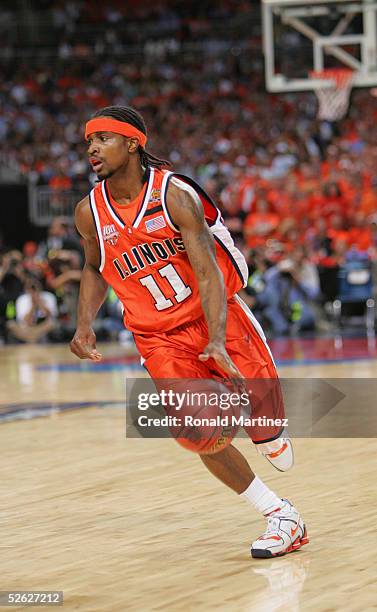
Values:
[(137, 525)]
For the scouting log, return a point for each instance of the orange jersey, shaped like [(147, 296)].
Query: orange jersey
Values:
[(144, 260)]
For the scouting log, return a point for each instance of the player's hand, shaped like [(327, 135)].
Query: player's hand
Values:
[(83, 344), (218, 353)]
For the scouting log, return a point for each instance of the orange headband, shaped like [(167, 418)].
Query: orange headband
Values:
[(103, 124)]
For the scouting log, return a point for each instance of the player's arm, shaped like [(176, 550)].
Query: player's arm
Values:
[(93, 287), (187, 213)]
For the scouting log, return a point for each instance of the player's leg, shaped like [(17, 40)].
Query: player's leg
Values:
[(286, 530), (175, 355), (231, 467), (247, 346)]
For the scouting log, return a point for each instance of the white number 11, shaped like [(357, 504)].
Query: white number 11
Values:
[(182, 291)]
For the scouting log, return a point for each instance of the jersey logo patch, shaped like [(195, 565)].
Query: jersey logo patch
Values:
[(155, 224), (155, 195), (110, 234)]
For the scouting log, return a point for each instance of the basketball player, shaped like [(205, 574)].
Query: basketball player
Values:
[(159, 241)]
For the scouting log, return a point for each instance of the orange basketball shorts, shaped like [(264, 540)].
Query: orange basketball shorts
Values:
[(174, 355)]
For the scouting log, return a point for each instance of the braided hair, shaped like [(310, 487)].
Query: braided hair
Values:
[(131, 116)]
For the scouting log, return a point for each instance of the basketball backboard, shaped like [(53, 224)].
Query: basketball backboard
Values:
[(300, 36)]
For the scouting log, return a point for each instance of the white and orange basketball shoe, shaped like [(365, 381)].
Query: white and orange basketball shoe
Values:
[(278, 452), (285, 533)]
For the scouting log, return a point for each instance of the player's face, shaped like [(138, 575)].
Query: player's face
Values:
[(107, 153)]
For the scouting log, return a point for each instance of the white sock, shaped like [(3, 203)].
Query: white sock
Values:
[(261, 497)]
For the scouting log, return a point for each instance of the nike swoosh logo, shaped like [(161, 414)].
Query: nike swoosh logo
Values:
[(294, 531)]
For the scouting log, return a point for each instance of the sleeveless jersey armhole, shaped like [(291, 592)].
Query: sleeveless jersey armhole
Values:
[(97, 225)]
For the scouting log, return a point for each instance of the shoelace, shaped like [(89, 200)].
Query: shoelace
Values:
[(272, 525), (273, 521)]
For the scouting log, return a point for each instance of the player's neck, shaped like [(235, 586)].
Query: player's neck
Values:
[(126, 184)]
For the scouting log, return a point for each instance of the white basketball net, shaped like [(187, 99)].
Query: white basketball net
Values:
[(333, 101)]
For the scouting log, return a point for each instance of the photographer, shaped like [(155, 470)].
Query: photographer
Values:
[(36, 312), (12, 275), (63, 277), (12, 278), (291, 287)]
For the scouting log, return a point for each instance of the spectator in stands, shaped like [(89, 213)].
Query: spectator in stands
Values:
[(368, 203), (337, 231), (318, 239), (61, 236), (59, 184), (332, 202), (360, 234), (260, 225)]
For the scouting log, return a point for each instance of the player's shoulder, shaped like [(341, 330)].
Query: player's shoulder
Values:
[(84, 218), (183, 203), (83, 204), (180, 194)]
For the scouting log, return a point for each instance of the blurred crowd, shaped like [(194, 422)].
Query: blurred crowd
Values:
[(299, 195), (39, 288)]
